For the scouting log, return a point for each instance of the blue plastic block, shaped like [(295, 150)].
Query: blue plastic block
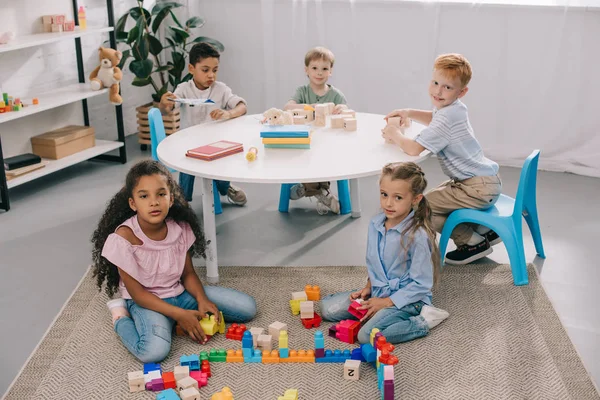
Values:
[(247, 342), (357, 355), (284, 353), (255, 358), (247, 352), (369, 353), (151, 367), (319, 340), (336, 356), (168, 394)]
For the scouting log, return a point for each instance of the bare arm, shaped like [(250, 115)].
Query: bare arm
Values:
[(191, 282), (144, 298), (395, 134), (166, 106), (292, 105), (422, 116)]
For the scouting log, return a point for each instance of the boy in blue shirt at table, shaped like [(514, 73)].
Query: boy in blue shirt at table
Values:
[(474, 180), (204, 65)]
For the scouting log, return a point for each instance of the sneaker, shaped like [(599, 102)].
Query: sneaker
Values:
[(433, 316), (327, 201), (297, 191), (466, 254), (492, 237), (118, 309), (236, 195)]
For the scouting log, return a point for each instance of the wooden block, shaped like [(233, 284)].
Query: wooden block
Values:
[(337, 121), (47, 28), (190, 394), (307, 309), (265, 342), (57, 28), (349, 113), (276, 327), (349, 124), (256, 332), (352, 370), (321, 110), (299, 120), (320, 120), (69, 26), (186, 383), (181, 371), (58, 19), (136, 381), (307, 114), (47, 19), (330, 107), (299, 296)]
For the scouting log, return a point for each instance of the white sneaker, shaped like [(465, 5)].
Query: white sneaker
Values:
[(297, 191), (118, 309), (433, 316), (328, 200)]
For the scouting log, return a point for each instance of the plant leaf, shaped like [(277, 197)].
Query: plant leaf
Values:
[(141, 68), (194, 22), (163, 68), (140, 82), (133, 35), (126, 55), (203, 39), (154, 44), (175, 19), (164, 5), (143, 47), (120, 27), (136, 13), (180, 32), (158, 19)]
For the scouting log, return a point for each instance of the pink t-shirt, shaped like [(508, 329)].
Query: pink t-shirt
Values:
[(156, 265)]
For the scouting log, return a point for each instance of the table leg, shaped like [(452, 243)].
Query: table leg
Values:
[(210, 232), (355, 198)]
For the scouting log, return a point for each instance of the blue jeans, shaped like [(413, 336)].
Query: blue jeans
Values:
[(147, 334), (187, 185), (397, 325)]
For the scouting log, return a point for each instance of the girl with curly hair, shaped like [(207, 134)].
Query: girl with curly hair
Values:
[(143, 247)]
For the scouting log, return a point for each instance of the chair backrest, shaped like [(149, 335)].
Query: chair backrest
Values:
[(526, 193), (157, 130)]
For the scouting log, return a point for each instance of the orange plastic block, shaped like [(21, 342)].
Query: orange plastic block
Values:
[(385, 358), (235, 356), (225, 394), (271, 357), (299, 356), (36, 101), (313, 293), (169, 380)]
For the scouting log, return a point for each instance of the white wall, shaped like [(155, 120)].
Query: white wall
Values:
[(31, 70), (535, 83)]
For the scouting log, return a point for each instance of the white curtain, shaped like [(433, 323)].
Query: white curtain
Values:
[(535, 82)]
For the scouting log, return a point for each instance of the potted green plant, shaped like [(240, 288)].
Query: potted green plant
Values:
[(163, 66)]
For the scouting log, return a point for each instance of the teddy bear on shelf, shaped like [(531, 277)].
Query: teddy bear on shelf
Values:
[(108, 74), (275, 116)]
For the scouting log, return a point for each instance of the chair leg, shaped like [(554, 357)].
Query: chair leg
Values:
[(344, 196), (531, 217), (284, 197), (217, 199), (513, 240)]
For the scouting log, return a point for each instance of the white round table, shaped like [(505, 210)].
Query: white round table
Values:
[(334, 154)]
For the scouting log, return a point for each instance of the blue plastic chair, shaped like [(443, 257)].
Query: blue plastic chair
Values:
[(504, 218), (157, 134), (343, 194)]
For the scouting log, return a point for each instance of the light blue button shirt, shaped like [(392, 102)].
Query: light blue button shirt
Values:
[(404, 274)]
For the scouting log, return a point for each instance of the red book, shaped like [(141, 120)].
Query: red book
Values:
[(215, 150)]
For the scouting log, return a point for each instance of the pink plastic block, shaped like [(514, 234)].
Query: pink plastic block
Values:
[(353, 309)]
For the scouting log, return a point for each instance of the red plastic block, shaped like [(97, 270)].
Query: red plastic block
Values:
[(314, 322), (200, 377), (235, 332), (205, 367), (353, 309), (169, 380)]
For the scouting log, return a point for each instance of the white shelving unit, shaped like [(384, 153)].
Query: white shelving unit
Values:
[(38, 39), (59, 97)]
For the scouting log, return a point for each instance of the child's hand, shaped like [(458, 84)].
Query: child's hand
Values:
[(220, 114), (339, 108), (208, 307), (375, 304), (188, 320), (362, 294), (402, 113), (166, 103), (392, 133)]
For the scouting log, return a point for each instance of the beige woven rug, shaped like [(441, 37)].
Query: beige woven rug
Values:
[(500, 342)]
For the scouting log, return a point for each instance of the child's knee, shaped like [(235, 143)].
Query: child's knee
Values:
[(363, 336), (330, 310), (249, 310), (154, 350)]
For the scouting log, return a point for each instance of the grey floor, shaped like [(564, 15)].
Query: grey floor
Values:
[(45, 247)]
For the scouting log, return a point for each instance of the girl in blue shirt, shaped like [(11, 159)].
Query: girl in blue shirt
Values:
[(403, 263)]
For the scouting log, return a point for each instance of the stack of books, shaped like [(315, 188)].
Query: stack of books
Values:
[(22, 164), (286, 136)]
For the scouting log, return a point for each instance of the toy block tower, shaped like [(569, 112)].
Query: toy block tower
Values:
[(283, 344)]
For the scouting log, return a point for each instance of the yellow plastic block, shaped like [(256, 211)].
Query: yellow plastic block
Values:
[(221, 322), (295, 306), (290, 394), (283, 340), (224, 394), (372, 336), (209, 326)]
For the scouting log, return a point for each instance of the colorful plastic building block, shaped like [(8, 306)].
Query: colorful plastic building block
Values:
[(276, 327), (299, 296), (151, 367), (203, 355), (235, 332), (190, 394), (352, 370), (169, 380), (265, 342), (217, 355), (332, 331), (181, 372), (299, 356), (209, 325), (307, 309), (168, 394), (347, 331), (255, 356), (150, 376), (222, 327), (335, 356), (283, 344), (200, 377), (354, 309), (313, 293), (158, 385), (313, 322), (357, 355), (205, 367), (224, 394), (388, 382), (372, 336), (270, 357), (295, 306), (36, 101), (368, 352), (136, 381), (290, 394), (319, 344), (187, 382), (247, 342), (235, 356), (192, 361)]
